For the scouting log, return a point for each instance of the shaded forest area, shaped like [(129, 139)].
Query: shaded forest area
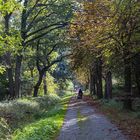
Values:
[(49, 47), (100, 39), (106, 48)]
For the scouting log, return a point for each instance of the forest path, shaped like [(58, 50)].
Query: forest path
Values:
[(83, 123)]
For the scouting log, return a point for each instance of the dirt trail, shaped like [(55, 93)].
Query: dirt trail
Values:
[(83, 123)]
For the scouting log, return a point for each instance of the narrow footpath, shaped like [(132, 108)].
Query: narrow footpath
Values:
[(83, 123)]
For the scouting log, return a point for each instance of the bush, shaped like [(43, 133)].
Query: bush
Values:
[(18, 113), (48, 100), (18, 109), (21, 107)]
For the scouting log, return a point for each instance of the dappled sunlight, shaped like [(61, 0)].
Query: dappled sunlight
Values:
[(55, 55), (81, 118), (94, 116)]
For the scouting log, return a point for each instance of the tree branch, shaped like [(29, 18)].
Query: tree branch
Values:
[(51, 50), (30, 10), (37, 57), (59, 59), (35, 20), (45, 27), (43, 34)]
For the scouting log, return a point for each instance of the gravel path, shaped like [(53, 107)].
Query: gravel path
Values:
[(83, 123)]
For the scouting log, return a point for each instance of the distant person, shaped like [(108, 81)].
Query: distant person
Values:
[(80, 94)]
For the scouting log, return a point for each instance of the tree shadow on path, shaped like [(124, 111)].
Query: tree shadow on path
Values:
[(83, 123)]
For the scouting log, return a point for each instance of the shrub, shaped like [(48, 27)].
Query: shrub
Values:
[(20, 112), (50, 99), (17, 109)]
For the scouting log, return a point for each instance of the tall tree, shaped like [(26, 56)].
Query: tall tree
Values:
[(48, 16)]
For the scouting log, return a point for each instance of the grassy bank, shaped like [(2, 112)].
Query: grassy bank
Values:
[(32, 118)]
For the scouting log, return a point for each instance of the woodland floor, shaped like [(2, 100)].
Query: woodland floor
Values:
[(83, 122)]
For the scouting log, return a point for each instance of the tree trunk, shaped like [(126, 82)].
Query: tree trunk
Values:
[(19, 56), (11, 82), (94, 86), (108, 86), (17, 75), (36, 87), (7, 58), (127, 72), (45, 84), (138, 82), (10, 75), (127, 78), (99, 78), (93, 79), (136, 67), (91, 82)]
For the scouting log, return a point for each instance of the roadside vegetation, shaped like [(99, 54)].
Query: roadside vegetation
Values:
[(33, 118), (127, 120)]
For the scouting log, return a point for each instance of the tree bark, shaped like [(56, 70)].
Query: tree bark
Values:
[(127, 72), (99, 78), (93, 79), (17, 75), (45, 84), (19, 56), (108, 86), (11, 82), (91, 82), (127, 78), (7, 57), (136, 67), (137, 75), (94, 86), (36, 87)]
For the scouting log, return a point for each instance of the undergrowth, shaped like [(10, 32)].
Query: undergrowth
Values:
[(113, 107), (27, 113), (47, 127)]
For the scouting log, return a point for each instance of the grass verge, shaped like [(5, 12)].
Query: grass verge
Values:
[(47, 127)]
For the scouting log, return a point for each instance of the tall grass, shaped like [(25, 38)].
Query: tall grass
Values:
[(46, 128), (18, 113)]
